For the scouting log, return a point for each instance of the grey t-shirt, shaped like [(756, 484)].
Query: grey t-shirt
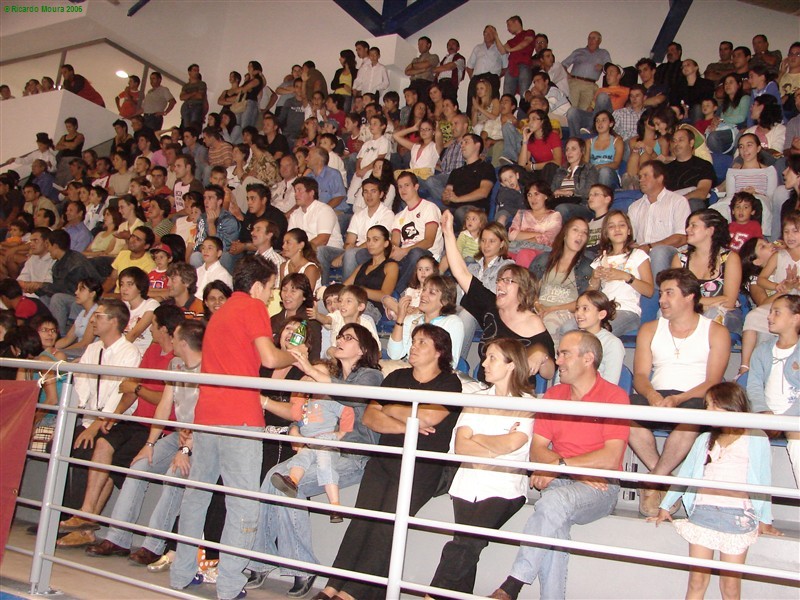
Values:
[(184, 395)]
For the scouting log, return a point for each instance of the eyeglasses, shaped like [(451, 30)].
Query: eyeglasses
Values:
[(346, 337), (47, 330), (506, 280), (99, 314)]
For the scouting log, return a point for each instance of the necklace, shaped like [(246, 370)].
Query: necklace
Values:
[(683, 340)]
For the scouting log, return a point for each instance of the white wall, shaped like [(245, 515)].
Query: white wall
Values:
[(224, 36)]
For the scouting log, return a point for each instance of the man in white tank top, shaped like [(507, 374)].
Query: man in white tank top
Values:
[(687, 354)]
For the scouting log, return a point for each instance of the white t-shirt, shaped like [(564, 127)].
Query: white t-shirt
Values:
[(474, 482), (411, 225), (318, 218), (145, 338), (337, 323), (335, 162), (206, 275), (776, 390), (362, 221), (372, 149), (626, 297)]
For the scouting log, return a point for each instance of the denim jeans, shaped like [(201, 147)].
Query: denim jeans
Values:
[(626, 321), (129, 503), (470, 324), (517, 86), (407, 267), (568, 210), (432, 188), (324, 458), (154, 122), (250, 114), (512, 142), (192, 114), (661, 258), (578, 119), (291, 526), (64, 308), (608, 176), (238, 461), (564, 503)]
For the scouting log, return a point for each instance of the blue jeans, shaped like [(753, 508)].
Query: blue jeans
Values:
[(291, 526), (517, 86), (578, 119), (432, 188), (250, 114), (661, 259), (564, 503), (512, 142), (568, 210), (129, 503), (192, 114), (407, 266), (324, 458), (626, 321), (608, 176), (352, 259), (238, 461), (470, 326), (63, 307)]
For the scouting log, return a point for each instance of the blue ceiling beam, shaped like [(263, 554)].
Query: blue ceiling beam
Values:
[(362, 12), (392, 8), (672, 24), (419, 15), (397, 16)]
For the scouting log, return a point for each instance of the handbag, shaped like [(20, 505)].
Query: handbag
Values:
[(240, 105)]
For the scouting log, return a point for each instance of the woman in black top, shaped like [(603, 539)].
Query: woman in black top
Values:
[(378, 276), (507, 313), (366, 545)]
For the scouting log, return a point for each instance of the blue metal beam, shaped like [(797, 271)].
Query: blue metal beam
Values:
[(362, 12), (392, 8), (672, 24), (419, 15), (397, 16)]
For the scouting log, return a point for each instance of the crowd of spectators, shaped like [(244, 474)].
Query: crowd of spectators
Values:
[(296, 230)]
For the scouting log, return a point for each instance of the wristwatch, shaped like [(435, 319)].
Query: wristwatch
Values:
[(562, 462), (185, 450), (630, 279), (137, 389)]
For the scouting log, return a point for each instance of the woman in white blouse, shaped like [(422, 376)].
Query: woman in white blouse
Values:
[(423, 154), (484, 495)]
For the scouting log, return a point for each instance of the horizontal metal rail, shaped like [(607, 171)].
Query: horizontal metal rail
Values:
[(408, 454)]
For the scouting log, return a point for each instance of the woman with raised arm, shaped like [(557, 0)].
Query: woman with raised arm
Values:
[(506, 313)]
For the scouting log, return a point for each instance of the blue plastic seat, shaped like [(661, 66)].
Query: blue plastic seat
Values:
[(626, 380)]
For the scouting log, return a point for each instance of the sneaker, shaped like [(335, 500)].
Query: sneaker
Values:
[(162, 564), (210, 574), (585, 131), (255, 580), (505, 160)]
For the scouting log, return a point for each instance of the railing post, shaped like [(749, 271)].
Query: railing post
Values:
[(53, 492), (400, 534)]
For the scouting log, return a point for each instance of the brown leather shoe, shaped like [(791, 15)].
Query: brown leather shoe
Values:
[(77, 539), (649, 501), (284, 484), (500, 594), (143, 557), (106, 548)]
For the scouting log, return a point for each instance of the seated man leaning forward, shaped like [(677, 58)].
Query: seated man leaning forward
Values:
[(573, 441), (687, 353)]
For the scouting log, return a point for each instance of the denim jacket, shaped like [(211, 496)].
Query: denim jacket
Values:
[(583, 270), (759, 472), (760, 367)]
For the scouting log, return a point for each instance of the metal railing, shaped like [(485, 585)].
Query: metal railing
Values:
[(44, 557)]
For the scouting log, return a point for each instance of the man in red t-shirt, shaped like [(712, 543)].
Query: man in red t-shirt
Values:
[(238, 341), (574, 441), (120, 443), (520, 58)]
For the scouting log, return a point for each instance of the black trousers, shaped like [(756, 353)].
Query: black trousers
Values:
[(367, 544), (459, 562)]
